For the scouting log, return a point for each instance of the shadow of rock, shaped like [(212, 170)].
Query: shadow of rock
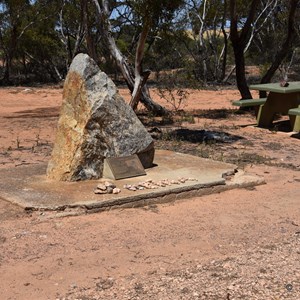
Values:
[(43, 112)]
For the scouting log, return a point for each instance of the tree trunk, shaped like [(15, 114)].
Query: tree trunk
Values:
[(285, 47), (122, 63), (224, 61), (240, 73), (128, 75), (139, 79), (239, 39), (9, 55), (6, 76), (91, 49)]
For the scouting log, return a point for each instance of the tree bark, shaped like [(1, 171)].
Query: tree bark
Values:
[(239, 41), (139, 79), (121, 61), (91, 49), (285, 47), (224, 61), (240, 73), (9, 55)]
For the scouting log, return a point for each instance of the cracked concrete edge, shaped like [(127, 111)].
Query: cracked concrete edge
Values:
[(130, 201), (162, 196), (242, 179), (13, 200), (239, 180)]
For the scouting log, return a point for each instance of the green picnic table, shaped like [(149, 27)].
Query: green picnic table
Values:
[(283, 100)]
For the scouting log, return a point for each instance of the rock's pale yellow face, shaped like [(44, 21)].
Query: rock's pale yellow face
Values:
[(95, 123)]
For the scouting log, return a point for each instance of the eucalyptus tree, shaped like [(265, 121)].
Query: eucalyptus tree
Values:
[(240, 29), (76, 26), (146, 16), (256, 23), (40, 44), (207, 21), (13, 18), (247, 20), (27, 34), (285, 18)]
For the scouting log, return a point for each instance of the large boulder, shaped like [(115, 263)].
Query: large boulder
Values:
[(95, 123)]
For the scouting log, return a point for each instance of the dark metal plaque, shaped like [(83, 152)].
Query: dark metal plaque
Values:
[(123, 167)]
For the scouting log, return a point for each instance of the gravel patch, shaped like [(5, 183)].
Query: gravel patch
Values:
[(266, 271)]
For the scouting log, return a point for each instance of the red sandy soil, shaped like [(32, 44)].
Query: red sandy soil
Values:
[(239, 244)]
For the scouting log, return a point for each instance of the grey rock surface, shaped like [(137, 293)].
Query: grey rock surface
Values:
[(95, 123)]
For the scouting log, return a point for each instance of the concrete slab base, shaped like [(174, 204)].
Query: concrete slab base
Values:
[(28, 186)]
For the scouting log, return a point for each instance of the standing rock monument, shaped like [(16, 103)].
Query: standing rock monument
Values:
[(95, 123)]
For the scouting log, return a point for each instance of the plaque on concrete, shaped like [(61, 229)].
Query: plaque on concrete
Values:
[(123, 167)]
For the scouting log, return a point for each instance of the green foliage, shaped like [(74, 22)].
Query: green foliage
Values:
[(176, 97), (38, 39), (167, 51), (154, 11), (269, 40)]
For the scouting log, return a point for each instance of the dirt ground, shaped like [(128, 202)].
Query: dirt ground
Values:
[(239, 244)]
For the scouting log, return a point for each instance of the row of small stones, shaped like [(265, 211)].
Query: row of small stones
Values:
[(107, 188), (110, 188)]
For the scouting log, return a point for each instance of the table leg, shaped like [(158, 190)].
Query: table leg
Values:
[(277, 103), (295, 123)]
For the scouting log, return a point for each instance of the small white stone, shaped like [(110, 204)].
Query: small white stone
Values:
[(116, 191), (166, 182), (132, 188), (97, 191), (192, 179), (174, 182), (153, 187), (101, 187)]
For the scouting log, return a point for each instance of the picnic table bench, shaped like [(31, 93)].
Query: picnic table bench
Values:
[(256, 103), (281, 99), (249, 102)]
